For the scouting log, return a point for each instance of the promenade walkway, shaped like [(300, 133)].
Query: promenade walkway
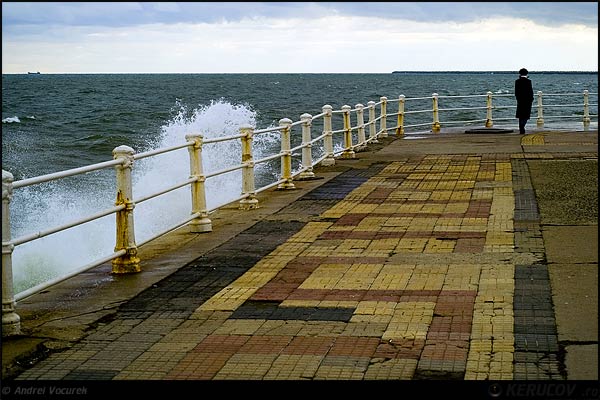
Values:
[(423, 258)]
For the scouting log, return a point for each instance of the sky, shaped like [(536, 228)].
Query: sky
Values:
[(297, 37)]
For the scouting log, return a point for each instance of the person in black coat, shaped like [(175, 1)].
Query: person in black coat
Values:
[(524, 95)]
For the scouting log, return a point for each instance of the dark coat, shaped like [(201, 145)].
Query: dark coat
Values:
[(524, 95)]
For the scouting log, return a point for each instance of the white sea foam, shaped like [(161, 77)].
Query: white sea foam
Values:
[(11, 120), (218, 119), (57, 203)]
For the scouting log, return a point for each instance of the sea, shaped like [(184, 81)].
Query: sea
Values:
[(55, 122)]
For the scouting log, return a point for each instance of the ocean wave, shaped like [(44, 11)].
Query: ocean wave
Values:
[(89, 138), (16, 119)]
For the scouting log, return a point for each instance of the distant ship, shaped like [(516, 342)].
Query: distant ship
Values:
[(33, 73)]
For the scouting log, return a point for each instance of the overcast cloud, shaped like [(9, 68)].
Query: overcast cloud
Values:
[(245, 37), (119, 14)]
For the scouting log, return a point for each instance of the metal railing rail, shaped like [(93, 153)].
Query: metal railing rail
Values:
[(355, 136)]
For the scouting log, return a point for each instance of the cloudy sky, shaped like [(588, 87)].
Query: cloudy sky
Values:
[(306, 37)]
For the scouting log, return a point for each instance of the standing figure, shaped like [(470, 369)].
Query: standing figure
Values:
[(524, 95)]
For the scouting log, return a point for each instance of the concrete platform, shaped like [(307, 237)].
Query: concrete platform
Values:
[(418, 260)]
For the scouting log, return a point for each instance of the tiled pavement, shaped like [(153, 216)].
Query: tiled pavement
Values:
[(431, 267)]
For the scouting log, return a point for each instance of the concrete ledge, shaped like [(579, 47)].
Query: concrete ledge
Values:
[(575, 298), (582, 362), (571, 244)]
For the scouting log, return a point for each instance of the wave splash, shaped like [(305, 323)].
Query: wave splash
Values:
[(56, 203)]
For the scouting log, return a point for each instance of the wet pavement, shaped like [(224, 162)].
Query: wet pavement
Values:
[(418, 260)]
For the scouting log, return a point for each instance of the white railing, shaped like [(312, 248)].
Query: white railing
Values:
[(351, 138)]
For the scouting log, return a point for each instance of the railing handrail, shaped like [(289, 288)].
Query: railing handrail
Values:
[(354, 138), (64, 174)]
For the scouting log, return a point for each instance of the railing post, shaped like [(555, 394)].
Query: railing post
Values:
[(125, 240), (11, 322), (540, 110), (201, 223), (586, 109), (372, 131), (250, 202), (360, 121), (348, 151), (435, 127), (383, 120), (307, 149), (400, 128), (286, 155), (488, 119), (328, 139)]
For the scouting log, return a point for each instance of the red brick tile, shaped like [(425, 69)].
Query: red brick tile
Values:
[(225, 344), (198, 366), (350, 219), (265, 344), (446, 350), (309, 345), (345, 295), (383, 295), (308, 294), (400, 348), (354, 346)]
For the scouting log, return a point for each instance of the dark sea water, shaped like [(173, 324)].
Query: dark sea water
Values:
[(56, 122)]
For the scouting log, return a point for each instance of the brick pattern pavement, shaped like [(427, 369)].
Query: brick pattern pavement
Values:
[(431, 267)]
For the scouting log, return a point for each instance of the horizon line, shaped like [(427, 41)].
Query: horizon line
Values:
[(391, 72)]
